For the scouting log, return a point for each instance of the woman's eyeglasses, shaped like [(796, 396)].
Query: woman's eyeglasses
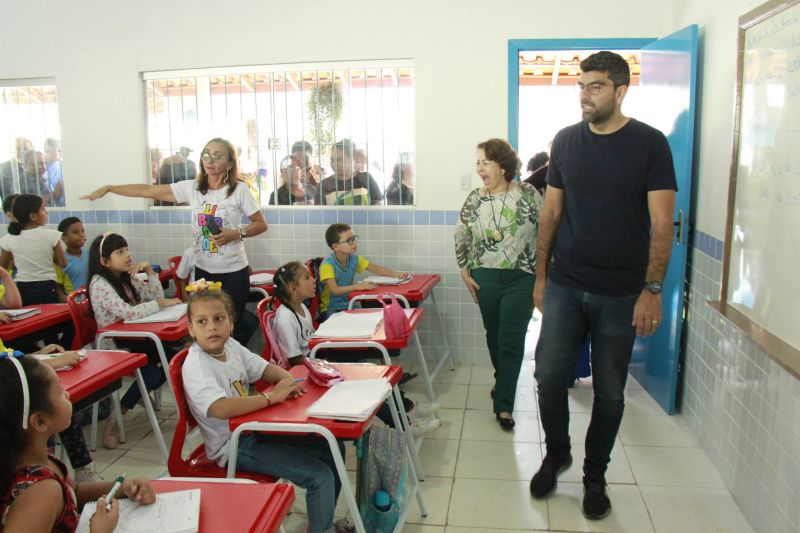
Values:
[(208, 158)]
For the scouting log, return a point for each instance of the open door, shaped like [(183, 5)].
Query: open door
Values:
[(669, 74)]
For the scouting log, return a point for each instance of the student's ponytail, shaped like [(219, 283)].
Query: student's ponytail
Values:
[(22, 207)]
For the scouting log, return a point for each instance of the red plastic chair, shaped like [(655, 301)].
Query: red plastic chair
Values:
[(263, 307), (85, 325), (174, 263), (85, 330), (276, 354), (197, 463)]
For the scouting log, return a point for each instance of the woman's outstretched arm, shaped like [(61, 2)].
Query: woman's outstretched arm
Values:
[(137, 190)]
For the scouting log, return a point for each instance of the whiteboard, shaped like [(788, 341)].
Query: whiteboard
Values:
[(763, 274)]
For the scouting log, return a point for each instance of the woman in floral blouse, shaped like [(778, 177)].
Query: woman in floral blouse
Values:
[(496, 251)]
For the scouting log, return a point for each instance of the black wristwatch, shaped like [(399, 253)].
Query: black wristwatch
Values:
[(654, 287)]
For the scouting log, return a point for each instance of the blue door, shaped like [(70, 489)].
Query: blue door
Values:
[(669, 69)]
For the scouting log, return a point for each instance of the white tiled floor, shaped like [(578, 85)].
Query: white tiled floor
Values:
[(660, 479)]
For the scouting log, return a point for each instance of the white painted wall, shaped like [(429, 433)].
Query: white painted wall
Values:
[(718, 21), (96, 50)]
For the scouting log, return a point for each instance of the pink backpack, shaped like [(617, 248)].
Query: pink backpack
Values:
[(395, 321)]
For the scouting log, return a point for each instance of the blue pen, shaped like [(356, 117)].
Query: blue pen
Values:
[(298, 380)]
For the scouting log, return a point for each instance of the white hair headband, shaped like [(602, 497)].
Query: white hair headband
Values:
[(106, 234), (26, 395)]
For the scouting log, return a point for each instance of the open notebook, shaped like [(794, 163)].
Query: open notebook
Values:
[(19, 314), (172, 512), (386, 280), (262, 278), (166, 314), (360, 325), (351, 400)]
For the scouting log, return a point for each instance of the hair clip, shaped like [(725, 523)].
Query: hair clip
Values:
[(13, 355), (106, 234), (203, 285)]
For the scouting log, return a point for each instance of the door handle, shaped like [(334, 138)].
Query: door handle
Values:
[(679, 224)]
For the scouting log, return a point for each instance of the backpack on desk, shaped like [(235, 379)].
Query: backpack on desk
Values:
[(395, 322)]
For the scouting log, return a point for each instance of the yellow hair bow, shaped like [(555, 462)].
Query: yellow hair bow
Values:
[(203, 285)]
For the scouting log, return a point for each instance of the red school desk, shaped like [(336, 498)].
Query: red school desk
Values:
[(417, 290), (99, 372), (51, 315), (390, 344), (263, 290), (290, 417), (236, 507)]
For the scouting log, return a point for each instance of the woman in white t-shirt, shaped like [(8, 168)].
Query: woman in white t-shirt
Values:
[(218, 199)]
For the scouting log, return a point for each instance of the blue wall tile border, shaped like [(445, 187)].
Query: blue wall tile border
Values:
[(709, 245), (381, 216)]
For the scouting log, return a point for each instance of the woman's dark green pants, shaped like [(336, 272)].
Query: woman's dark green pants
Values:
[(506, 302)]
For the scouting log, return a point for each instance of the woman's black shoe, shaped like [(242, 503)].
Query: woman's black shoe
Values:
[(505, 423)]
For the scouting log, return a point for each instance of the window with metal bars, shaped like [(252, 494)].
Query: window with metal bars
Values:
[(332, 134), (30, 147)]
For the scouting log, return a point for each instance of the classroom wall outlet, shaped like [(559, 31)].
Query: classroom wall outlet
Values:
[(466, 181)]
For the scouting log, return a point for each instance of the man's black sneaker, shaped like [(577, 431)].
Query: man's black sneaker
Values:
[(544, 481), (596, 504)]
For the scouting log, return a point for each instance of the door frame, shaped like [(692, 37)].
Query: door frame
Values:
[(515, 46)]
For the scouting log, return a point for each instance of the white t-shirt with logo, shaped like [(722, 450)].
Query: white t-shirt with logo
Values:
[(206, 379), (227, 212)]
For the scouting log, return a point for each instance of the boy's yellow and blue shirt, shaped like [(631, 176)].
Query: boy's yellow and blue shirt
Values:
[(343, 274), (63, 280)]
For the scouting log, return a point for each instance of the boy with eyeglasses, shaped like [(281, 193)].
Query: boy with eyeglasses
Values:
[(337, 271)]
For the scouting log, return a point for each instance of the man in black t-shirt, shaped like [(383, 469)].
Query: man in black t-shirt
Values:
[(605, 237)]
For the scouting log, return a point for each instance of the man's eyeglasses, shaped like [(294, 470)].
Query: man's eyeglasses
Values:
[(208, 158), (351, 241), (591, 88)]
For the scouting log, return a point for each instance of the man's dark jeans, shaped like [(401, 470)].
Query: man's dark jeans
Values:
[(568, 316)]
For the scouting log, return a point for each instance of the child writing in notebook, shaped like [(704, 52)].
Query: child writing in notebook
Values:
[(338, 270), (293, 328), (217, 374), (36, 493), (32, 248), (116, 293), (72, 438)]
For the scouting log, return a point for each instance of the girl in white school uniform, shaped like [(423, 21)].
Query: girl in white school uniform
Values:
[(293, 328), (217, 374), (32, 248)]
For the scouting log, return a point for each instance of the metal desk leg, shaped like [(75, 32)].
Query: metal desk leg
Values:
[(448, 351), (151, 415), (141, 335), (411, 454), (341, 469), (402, 423), (424, 367)]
